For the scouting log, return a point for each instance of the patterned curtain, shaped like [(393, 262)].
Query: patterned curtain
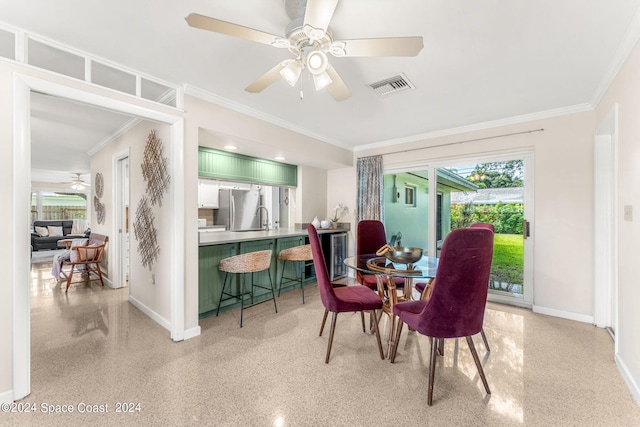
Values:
[(370, 201)]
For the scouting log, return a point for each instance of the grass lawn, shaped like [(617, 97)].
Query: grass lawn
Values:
[(508, 257), (508, 250)]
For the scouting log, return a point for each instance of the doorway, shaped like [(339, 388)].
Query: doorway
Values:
[(21, 327), (605, 222), (488, 189), (122, 218)]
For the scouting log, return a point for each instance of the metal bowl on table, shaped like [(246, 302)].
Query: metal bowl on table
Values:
[(401, 254)]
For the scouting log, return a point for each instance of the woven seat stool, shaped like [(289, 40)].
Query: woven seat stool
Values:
[(296, 254), (251, 262)]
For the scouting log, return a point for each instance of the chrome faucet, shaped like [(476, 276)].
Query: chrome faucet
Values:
[(266, 224)]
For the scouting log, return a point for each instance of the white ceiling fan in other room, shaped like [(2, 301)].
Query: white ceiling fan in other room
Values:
[(78, 184), (308, 38)]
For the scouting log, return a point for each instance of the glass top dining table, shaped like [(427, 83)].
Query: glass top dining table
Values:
[(424, 268), (386, 273)]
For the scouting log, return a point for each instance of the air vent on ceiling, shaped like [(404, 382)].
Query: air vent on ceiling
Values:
[(391, 85)]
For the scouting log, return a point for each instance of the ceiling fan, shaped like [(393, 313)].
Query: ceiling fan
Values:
[(78, 184), (308, 38)]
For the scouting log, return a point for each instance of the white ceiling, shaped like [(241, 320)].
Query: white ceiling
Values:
[(482, 61)]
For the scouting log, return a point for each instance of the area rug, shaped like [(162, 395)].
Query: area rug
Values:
[(44, 256)]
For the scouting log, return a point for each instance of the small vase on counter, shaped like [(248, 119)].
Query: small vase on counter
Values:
[(315, 222), (325, 223)]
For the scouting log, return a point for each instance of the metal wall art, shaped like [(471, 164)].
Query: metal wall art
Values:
[(100, 210), (154, 169), (99, 184), (146, 233)]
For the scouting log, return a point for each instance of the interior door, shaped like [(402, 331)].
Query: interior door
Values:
[(122, 220)]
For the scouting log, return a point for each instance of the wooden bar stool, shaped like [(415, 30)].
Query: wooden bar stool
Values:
[(297, 253), (251, 262)]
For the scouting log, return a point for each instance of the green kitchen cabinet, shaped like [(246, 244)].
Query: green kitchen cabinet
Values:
[(210, 278), (219, 164), (292, 269)]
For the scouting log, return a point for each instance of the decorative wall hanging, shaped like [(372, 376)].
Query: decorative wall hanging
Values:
[(146, 233), (98, 206), (99, 185), (154, 169), (100, 210)]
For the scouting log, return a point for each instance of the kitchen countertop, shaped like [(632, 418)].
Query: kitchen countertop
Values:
[(221, 237)]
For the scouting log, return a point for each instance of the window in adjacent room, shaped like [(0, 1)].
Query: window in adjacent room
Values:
[(410, 195)]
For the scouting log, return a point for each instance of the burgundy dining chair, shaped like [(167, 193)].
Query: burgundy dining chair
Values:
[(483, 225), (336, 300), (425, 289), (457, 303), (371, 237)]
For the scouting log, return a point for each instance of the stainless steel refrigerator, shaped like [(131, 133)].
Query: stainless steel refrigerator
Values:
[(238, 210)]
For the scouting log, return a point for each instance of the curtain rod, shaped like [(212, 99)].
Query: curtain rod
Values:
[(465, 141)]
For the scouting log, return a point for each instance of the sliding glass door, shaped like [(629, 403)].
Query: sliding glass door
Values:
[(492, 190)]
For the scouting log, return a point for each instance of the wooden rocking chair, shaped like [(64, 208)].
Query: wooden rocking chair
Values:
[(86, 259)]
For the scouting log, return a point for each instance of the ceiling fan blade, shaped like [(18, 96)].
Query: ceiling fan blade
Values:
[(266, 79), (338, 89), (318, 13), (223, 27), (391, 46)]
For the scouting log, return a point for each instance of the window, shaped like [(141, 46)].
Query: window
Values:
[(58, 206), (410, 196)]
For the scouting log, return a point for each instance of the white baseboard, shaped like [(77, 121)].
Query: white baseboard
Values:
[(628, 379), (152, 314), (562, 314), (6, 396), (191, 333)]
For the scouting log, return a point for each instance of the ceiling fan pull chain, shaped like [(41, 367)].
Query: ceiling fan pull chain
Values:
[(301, 92)]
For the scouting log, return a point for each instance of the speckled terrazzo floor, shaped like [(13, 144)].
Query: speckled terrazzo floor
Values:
[(91, 347)]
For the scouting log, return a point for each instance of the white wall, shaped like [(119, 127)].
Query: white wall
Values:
[(311, 194), (563, 186), (150, 287), (625, 91), (341, 188)]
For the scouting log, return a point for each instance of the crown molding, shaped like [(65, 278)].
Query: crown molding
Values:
[(126, 127), (252, 112), (573, 109)]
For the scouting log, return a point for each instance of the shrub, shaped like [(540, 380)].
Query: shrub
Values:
[(505, 217)]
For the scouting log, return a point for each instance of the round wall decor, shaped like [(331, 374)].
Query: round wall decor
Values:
[(99, 184)]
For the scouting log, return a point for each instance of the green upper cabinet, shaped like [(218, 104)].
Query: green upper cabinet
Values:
[(237, 167)]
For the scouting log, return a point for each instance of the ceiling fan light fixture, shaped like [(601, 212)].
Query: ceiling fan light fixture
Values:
[(321, 80), (78, 184), (317, 62), (291, 72)]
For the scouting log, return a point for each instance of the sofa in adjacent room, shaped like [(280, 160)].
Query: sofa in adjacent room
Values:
[(46, 234)]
